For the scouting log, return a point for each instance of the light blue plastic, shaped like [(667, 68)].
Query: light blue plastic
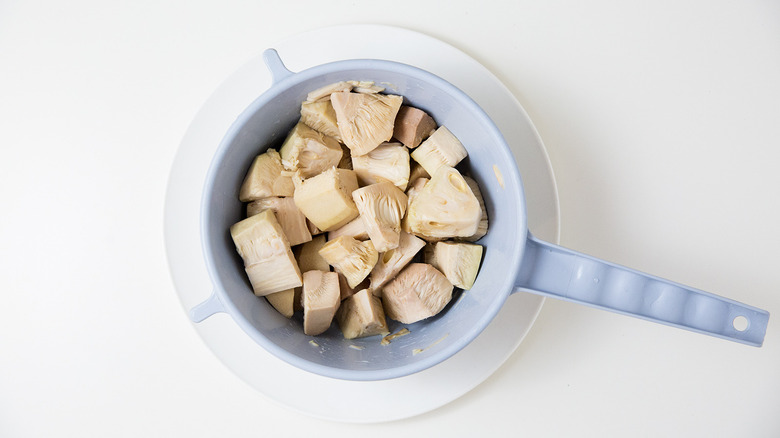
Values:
[(513, 259), (207, 308), (568, 275)]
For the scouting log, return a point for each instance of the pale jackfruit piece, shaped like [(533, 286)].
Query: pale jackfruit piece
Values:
[(482, 228), (291, 219), (365, 120), (309, 259), (320, 300), (391, 262), (321, 117), (418, 292), (326, 199), (309, 151), (458, 261), (347, 290), (355, 229), (308, 255), (442, 148), (373, 89), (413, 125), (415, 188), (381, 207), (327, 90), (283, 302), (388, 162), (417, 171), (352, 258), (367, 87), (445, 207), (362, 315), (411, 193), (265, 178), (266, 252)]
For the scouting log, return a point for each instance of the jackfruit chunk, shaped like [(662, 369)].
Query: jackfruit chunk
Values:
[(365, 120), (309, 151), (417, 171), (418, 292), (291, 219), (413, 125), (416, 187), (266, 252), (388, 162), (442, 148), (308, 255), (355, 229), (283, 302), (325, 92), (392, 261), (445, 207), (347, 290), (320, 299), (459, 262), (265, 178), (366, 87), (326, 199), (361, 315), (381, 207), (309, 259), (482, 228), (411, 193), (321, 117), (350, 257)]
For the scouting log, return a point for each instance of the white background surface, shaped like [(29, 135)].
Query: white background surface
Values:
[(662, 122)]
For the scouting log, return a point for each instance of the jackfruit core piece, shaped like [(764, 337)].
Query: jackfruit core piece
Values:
[(268, 258), (352, 258), (265, 178), (365, 120), (381, 207), (445, 207), (309, 151), (291, 219), (321, 299), (442, 148), (388, 162), (361, 315), (326, 199), (418, 292), (321, 117), (458, 261)]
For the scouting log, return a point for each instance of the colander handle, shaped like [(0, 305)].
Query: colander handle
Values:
[(207, 308), (275, 65), (557, 272)]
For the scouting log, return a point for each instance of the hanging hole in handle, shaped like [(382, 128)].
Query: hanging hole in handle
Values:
[(740, 323)]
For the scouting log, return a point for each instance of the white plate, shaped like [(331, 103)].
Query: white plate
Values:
[(313, 394)]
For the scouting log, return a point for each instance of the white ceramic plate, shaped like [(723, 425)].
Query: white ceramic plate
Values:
[(313, 394)]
